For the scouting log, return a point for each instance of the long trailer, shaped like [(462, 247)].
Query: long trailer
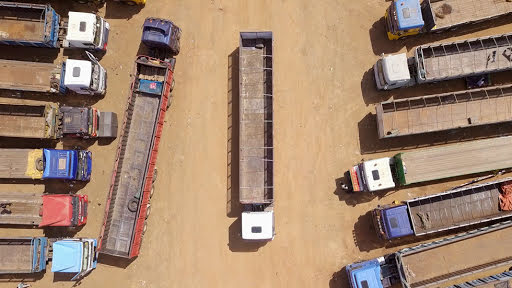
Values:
[(431, 164), (445, 61), (446, 111), (69, 210), (445, 211), (38, 25), (45, 164), (256, 135), (84, 77), (410, 17), (51, 121), (26, 255), (134, 169), (436, 263)]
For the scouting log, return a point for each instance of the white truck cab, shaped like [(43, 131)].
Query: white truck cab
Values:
[(372, 175), (86, 30), (392, 71), (84, 77), (258, 225)]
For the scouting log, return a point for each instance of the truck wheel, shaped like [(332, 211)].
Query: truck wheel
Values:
[(152, 191), (148, 210), (132, 205), (169, 101), (130, 3), (155, 174), (39, 164), (172, 84), (145, 228)]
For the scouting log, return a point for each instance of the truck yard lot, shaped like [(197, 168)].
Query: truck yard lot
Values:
[(324, 92)]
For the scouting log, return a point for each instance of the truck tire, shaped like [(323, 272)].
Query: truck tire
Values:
[(148, 210), (152, 191), (172, 84), (155, 174), (169, 101), (133, 205), (39, 164), (145, 227)]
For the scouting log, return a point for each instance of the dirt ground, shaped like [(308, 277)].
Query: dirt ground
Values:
[(323, 94)]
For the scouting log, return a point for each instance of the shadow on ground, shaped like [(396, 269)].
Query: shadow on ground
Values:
[(233, 206), (17, 278), (339, 279), (115, 261), (237, 244)]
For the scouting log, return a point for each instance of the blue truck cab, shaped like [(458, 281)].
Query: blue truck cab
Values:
[(67, 164), (376, 273), (161, 33), (392, 222), (76, 256)]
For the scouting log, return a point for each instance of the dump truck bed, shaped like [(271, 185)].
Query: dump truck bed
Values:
[(444, 111), (457, 208), (143, 121), (23, 23), (434, 263), (29, 76), (457, 159), (464, 58), (17, 255), (27, 121), (256, 119), (20, 209), (449, 13), (20, 163)]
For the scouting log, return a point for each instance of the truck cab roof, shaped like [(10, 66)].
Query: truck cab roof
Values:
[(81, 27), (396, 222), (78, 74), (57, 210), (60, 164), (258, 225), (365, 275), (409, 14), (396, 68), (378, 174), (67, 256)]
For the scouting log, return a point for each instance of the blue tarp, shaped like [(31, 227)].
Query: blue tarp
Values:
[(409, 14)]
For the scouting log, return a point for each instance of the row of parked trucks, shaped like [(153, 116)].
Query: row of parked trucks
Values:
[(472, 255), (37, 25)]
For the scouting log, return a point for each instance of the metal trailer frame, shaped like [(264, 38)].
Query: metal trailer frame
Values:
[(399, 256), (149, 170), (256, 119), (463, 58), (446, 111), (469, 201), (50, 38), (38, 263), (488, 282)]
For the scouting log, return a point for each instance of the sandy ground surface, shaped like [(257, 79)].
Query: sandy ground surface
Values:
[(324, 92)]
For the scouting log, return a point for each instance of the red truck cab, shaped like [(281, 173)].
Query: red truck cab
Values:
[(64, 210)]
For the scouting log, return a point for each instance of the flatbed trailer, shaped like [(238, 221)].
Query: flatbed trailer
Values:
[(431, 164), (446, 111), (51, 121), (23, 255), (445, 61), (256, 135), (444, 211), (410, 17), (435, 263), (134, 169)]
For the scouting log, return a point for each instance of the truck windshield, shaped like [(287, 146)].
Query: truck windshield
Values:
[(95, 79), (74, 217), (85, 259), (97, 31)]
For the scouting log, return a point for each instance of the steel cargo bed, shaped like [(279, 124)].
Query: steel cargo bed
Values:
[(29, 76)]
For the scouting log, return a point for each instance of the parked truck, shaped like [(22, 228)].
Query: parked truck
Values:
[(439, 263), (134, 169), (51, 121), (78, 76), (38, 25), (431, 164), (445, 211), (445, 61), (160, 33), (41, 164), (26, 255), (412, 17), (256, 135), (446, 111), (69, 210)]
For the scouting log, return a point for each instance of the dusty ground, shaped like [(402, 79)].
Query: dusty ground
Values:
[(323, 94)]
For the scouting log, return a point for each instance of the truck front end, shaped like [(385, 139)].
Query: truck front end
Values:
[(403, 18), (88, 122), (65, 210), (258, 223), (84, 77), (392, 71), (372, 175), (87, 31), (392, 222), (76, 256), (381, 272), (67, 164), (161, 33)]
